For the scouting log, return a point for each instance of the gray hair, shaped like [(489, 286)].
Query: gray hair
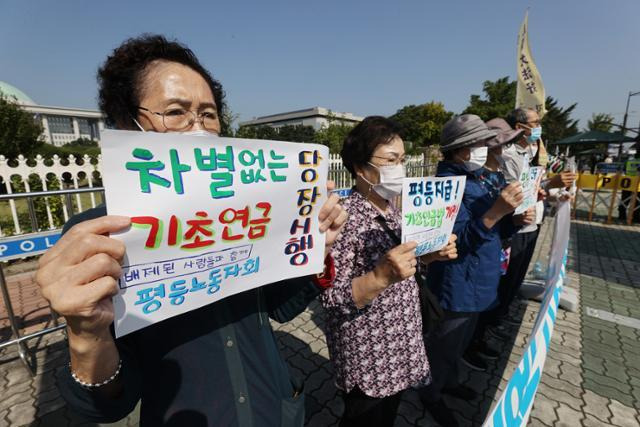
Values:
[(519, 115)]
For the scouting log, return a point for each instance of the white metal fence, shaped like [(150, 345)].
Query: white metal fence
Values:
[(22, 175)]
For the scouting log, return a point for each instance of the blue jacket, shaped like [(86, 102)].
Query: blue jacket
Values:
[(470, 283)]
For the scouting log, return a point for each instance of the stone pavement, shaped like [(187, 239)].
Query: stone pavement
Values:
[(591, 376)]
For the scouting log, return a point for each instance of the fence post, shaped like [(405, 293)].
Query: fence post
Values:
[(613, 199), (593, 199), (32, 216), (22, 350), (632, 204)]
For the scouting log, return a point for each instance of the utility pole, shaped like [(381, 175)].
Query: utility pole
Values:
[(624, 124)]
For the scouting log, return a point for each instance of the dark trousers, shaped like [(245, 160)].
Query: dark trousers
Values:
[(523, 245), (362, 410), (445, 346)]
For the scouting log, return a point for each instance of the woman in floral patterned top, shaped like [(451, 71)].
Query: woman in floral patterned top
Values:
[(373, 310)]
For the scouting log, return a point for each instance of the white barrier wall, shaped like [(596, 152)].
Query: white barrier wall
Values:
[(514, 406)]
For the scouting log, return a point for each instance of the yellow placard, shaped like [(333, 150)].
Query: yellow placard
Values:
[(608, 182)]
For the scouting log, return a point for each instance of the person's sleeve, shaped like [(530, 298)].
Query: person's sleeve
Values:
[(288, 298), (471, 232), (507, 227), (345, 253), (513, 164), (93, 404)]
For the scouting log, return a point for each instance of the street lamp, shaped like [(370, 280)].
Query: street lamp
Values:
[(624, 124)]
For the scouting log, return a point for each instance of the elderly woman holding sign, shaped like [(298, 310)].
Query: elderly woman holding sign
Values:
[(468, 285), (373, 309), (218, 365)]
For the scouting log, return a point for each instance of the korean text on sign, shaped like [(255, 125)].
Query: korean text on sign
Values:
[(208, 215), (429, 209)]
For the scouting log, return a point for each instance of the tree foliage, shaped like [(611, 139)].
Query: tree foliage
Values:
[(557, 124), (333, 136), (19, 131), (422, 124), (498, 100), (600, 121)]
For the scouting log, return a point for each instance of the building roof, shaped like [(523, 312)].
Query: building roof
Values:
[(13, 92), (302, 114), (30, 105)]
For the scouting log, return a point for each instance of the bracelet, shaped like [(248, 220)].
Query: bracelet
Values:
[(95, 385)]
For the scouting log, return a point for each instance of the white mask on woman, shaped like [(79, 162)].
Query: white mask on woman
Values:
[(199, 132), (390, 185), (477, 158)]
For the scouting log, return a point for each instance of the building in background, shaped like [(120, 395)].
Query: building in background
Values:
[(60, 125), (316, 117)]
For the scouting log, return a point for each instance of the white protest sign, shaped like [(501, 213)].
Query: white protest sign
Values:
[(429, 209), (211, 217), (530, 179)]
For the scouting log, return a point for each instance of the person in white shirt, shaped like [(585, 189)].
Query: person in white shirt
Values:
[(517, 157)]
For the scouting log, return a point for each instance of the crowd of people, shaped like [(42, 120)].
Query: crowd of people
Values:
[(220, 365)]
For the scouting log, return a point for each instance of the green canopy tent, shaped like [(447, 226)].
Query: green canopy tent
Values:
[(590, 139), (594, 137)]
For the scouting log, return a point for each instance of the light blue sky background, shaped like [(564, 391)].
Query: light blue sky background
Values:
[(366, 57)]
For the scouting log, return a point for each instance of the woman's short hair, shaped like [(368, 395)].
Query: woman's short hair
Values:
[(120, 79), (362, 141)]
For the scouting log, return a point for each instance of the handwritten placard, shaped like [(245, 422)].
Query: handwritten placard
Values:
[(211, 217), (429, 209), (530, 179)]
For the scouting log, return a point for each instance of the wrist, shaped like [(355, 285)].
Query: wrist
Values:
[(83, 343), (494, 214), (378, 279), (428, 258)]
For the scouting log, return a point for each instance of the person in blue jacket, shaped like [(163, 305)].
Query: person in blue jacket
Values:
[(467, 286)]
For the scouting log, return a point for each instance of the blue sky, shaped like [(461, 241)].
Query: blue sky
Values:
[(365, 57)]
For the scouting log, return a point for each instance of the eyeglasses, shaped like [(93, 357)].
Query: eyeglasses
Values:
[(177, 119), (533, 124), (392, 161)]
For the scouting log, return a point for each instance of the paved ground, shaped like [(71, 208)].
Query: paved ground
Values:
[(591, 376)]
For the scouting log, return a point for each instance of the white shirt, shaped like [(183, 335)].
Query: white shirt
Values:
[(514, 164)]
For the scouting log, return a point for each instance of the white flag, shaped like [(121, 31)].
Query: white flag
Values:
[(530, 90)]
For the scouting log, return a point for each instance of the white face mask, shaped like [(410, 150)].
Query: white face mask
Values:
[(477, 158), (198, 132), (390, 185), (500, 159)]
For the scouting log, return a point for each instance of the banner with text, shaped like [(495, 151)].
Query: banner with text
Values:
[(211, 217), (515, 403), (530, 180), (429, 209)]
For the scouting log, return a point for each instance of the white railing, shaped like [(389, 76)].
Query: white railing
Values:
[(22, 175), (416, 166)]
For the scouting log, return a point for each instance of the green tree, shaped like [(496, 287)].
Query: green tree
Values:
[(81, 142), (296, 133), (256, 132), (19, 132), (498, 100), (421, 124), (600, 121), (333, 136), (557, 123), (291, 133)]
